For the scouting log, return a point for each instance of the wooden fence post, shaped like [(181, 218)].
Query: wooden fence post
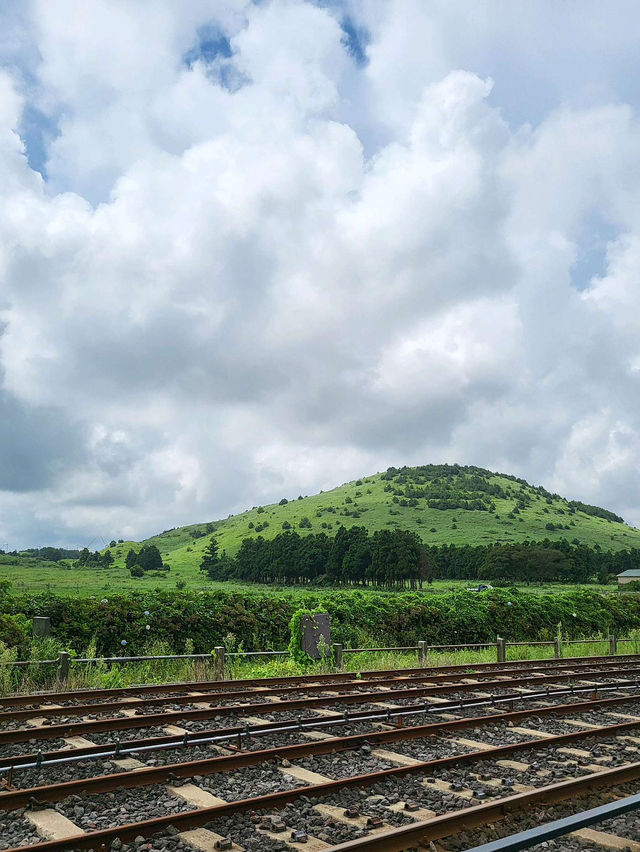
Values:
[(218, 653), (63, 666), (501, 649), (556, 648), (337, 655), (613, 646), (422, 654)]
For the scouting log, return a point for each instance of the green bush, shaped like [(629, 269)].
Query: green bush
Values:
[(358, 618)]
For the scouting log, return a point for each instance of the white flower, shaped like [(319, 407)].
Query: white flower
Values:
[(148, 627), (104, 600), (146, 612), (123, 643)]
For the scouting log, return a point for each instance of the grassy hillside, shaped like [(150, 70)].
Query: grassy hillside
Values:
[(512, 511), (489, 507)]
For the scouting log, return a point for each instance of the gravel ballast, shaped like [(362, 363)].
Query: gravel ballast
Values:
[(106, 810), (16, 830)]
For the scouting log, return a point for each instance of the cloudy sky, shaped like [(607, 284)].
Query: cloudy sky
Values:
[(254, 249)]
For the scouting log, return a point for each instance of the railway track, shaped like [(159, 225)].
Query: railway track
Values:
[(387, 761), (333, 680)]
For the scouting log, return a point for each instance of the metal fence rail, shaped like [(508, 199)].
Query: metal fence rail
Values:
[(219, 656)]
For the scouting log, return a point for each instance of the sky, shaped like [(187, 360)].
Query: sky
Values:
[(251, 250)]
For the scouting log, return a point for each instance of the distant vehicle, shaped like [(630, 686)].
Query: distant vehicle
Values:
[(481, 587)]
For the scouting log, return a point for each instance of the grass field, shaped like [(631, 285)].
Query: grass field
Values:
[(31, 575), (523, 513)]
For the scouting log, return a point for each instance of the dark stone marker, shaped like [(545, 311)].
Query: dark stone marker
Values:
[(316, 635), (41, 625)]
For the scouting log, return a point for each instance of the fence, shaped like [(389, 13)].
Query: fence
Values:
[(219, 656)]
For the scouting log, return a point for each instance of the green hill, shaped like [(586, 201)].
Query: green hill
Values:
[(444, 504)]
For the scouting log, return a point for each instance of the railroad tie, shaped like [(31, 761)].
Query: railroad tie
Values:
[(36, 721), (39, 721), (194, 795), (623, 716), (53, 826), (311, 844), (578, 724), (251, 720), (305, 775), (608, 841), (575, 752), (474, 745), (445, 787), (78, 742), (394, 757), (360, 821), (205, 841), (174, 730), (629, 738), (516, 765), (416, 813), (497, 782), (532, 732)]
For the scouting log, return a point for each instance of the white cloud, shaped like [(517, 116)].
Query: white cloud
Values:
[(225, 294)]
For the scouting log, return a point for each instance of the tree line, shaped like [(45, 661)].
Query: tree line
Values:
[(398, 558)]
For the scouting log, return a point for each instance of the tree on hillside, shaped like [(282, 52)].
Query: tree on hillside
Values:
[(210, 562), (149, 558)]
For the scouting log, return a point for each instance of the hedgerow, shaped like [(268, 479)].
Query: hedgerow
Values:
[(358, 618)]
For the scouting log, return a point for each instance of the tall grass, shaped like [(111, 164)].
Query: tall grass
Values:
[(102, 675)]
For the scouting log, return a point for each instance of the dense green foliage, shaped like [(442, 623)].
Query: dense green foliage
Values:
[(86, 559), (359, 618), (393, 558), (386, 558), (148, 558), (52, 554)]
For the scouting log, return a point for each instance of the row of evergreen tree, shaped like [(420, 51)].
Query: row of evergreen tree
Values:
[(398, 558)]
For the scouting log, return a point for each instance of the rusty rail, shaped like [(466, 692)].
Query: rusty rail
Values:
[(389, 841), (355, 685), (432, 729), (21, 734), (14, 799)]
